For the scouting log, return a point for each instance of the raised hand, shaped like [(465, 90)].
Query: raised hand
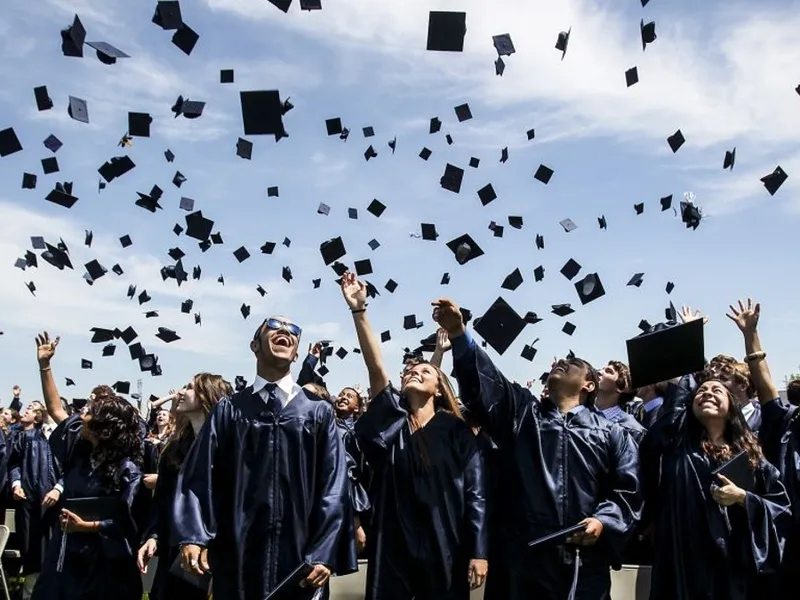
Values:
[(746, 317), (45, 348), (448, 315), (443, 343), (687, 315), (354, 291), (16, 390), (315, 349)]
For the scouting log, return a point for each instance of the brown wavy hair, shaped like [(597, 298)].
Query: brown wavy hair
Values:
[(738, 436), (445, 398), (208, 390), (116, 426)]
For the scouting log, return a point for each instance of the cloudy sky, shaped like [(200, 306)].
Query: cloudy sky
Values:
[(724, 74)]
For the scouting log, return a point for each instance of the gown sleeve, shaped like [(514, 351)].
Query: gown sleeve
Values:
[(4, 460), (331, 525), (307, 374), (160, 498), (769, 518), (194, 519), (621, 508), (475, 503), (120, 535), (15, 458), (379, 427)]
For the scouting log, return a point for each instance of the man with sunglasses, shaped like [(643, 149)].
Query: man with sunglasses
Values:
[(264, 490), (565, 466)]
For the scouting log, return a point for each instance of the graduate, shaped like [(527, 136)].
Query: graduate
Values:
[(613, 393), (95, 559), (566, 465), (429, 538), (264, 488), (33, 475), (193, 404)]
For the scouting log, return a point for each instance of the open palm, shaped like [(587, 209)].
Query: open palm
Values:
[(354, 291)]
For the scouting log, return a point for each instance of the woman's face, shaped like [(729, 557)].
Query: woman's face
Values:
[(346, 404), (422, 379), (7, 416), (162, 418), (187, 400), (711, 401), (29, 416)]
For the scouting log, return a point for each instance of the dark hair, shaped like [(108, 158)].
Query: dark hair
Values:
[(116, 426), (102, 391), (793, 392), (318, 390), (591, 375), (737, 434), (358, 395), (623, 383)]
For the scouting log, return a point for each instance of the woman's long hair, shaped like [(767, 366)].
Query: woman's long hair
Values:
[(116, 426), (208, 390), (737, 434)]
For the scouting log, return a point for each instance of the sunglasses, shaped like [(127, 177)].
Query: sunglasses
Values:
[(276, 324)]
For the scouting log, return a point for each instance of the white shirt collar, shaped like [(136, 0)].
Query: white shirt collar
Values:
[(287, 388), (748, 409)]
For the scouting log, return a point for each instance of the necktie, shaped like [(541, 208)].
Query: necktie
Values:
[(273, 404)]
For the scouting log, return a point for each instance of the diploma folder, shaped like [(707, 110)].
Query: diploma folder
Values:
[(292, 582), (558, 535), (202, 582), (94, 508), (738, 471)]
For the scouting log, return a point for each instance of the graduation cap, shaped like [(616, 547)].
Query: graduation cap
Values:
[(425, 154), (9, 142), (538, 273), (666, 352), (167, 335), (31, 287), (190, 109), (370, 153), (139, 124), (100, 335), (670, 287), (543, 174), (639, 208), (666, 203), (363, 267), (540, 241), (690, 215), (774, 180), (226, 76), (116, 167), (464, 248), (487, 194), (245, 310), (590, 288), (515, 222), (513, 280), (463, 113), (452, 178), (446, 31), (529, 352), (568, 328), (410, 322), (68, 382), (729, 160), (286, 273), (50, 165), (73, 38), (197, 226), (52, 143), (648, 32), (445, 279), (106, 53), (436, 125), (391, 286), (393, 144), (95, 270), (562, 310), (168, 154), (636, 280), (144, 297), (376, 208), (563, 41), (568, 225), (570, 269), (168, 15), (109, 349), (631, 76), (503, 44), (499, 67), (504, 155), (185, 38), (500, 325), (86, 364), (61, 194), (43, 100), (78, 109), (675, 141), (332, 250), (272, 191), (601, 221), (122, 387)]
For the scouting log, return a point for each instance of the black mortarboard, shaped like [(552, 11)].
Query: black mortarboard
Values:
[(216, 238), (464, 248), (451, 180), (486, 194), (167, 335), (540, 241), (515, 222), (376, 207), (323, 209), (676, 140), (391, 286), (185, 38), (43, 100), (9, 142), (268, 248), (332, 250), (116, 167), (73, 38), (590, 288), (52, 143), (374, 244), (538, 273), (503, 44), (260, 289), (286, 273), (168, 15), (496, 229), (57, 257), (774, 180), (245, 310), (190, 109), (543, 174), (287, 242), (410, 322), (352, 213), (68, 382), (504, 154), (570, 269), (445, 279), (636, 280), (101, 335), (168, 154), (28, 181), (393, 144), (370, 153), (512, 281), (690, 215), (310, 4), (671, 313), (186, 306), (666, 202), (648, 31), (639, 208), (281, 4), (106, 53), (109, 350), (601, 221), (339, 268), (131, 291), (449, 139), (568, 225), (333, 126), (273, 192), (531, 133), (31, 287), (562, 310), (78, 109), (368, 131), (436, 125), (144, 297), (500, 325), (363, 267), (50, 165), (568, 328), (730, 159), (196, 271), (241, 254), (151, 314), (446, 31), (632, 76), (474, 162), (499, 67), (528, 352), (425, 154), (385, 336), (563, 41), (670, 287), (463, 113), (122, 387), (95, 269), (86, 364), (197, 226), (666, 353), (262, 113), (186, 204), (61, 196), (139, 124), (226, 76)]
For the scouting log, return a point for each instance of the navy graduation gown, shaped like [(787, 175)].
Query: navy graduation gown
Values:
[(702, 550), (265, 493), (97, 566), (358, 471), (560, 469), (32, 464), (428, 501)]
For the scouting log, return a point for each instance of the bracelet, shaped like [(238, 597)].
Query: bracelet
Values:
[(358, 310), (755, 356), (44, 369)]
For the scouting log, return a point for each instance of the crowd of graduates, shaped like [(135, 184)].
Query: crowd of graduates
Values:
[(270, 489)]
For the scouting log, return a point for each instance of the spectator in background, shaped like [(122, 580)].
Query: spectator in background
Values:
[(793, 392)]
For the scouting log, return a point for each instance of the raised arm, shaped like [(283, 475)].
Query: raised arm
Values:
[(355, 295), (307, 374), (443, 345), (746, 318), (45, 350)]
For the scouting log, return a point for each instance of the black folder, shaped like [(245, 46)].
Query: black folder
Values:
[(292, 582), (558, 535), (738, 471), (94, 508), (202, 582)]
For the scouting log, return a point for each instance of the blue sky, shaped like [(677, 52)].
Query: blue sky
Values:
[(724, 74)]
